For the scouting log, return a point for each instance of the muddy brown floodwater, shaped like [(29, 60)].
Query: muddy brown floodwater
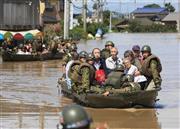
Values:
[(29, 95)]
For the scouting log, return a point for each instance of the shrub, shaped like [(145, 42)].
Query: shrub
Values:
[(135, 26)]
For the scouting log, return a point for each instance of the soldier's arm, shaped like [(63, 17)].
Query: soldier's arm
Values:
[(65, 60), (155, 73), (85, 78)]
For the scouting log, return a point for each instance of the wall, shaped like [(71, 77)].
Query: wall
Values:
[(19, 14)]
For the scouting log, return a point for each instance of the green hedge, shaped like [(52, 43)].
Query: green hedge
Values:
[(137, 27)]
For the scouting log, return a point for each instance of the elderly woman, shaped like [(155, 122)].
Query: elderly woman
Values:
[(135, 61), (131, 69)]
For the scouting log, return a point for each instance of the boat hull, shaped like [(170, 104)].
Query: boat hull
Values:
[(9, 56), (122, 100)]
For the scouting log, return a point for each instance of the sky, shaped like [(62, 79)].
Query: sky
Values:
[(124, 6)]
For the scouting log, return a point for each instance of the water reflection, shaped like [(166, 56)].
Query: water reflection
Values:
[(114, 118), (126, 118), (30, 82)]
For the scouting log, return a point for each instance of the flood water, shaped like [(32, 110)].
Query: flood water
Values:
[(29, 95)]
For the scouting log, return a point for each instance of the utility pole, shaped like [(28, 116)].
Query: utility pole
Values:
[(66, 18), (71, 17), (101, 10), (98, 5), (110, 22), (178, 22), (84, 15)]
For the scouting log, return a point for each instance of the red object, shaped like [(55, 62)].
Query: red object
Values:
[(18, 36), (100, 76)]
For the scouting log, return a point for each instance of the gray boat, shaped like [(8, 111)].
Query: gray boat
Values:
[(141, 98)]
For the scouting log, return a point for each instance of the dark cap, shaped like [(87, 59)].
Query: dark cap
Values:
[(136, 48)]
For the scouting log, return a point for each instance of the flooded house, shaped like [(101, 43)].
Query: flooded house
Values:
[(154, 14)]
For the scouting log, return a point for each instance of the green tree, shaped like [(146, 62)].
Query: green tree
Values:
[(95, 6), (169, 7), (152, 6), (106, 15)]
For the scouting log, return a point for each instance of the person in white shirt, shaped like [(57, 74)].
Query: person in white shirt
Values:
[(113, 60), (132, 69)]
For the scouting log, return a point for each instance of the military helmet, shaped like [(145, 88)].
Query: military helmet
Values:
[(119, 67), (74, 116), (109, 43), (83, 54), (128, 53), (129, 78), (146, 48), (90, 56)]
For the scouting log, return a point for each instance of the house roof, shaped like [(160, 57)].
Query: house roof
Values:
[(172, 17), (122, 22), (150, 10)]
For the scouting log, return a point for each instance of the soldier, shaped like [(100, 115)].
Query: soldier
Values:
[(87, 76), (81, 74), (69, 54), (114, 79), (128, 86), (73, 70), (151, 68), (75, 117), (90, 59), (106, 53)]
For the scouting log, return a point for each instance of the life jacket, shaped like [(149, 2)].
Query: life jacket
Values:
[(92, 71), (100, 76), (114, 79), (146, 66), (74, 71)]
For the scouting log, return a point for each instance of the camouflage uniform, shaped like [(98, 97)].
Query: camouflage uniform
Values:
[(82, 77), (128, 87), (70, 53), (151, 68), (105, 53), (67, 57), (114, 79)]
